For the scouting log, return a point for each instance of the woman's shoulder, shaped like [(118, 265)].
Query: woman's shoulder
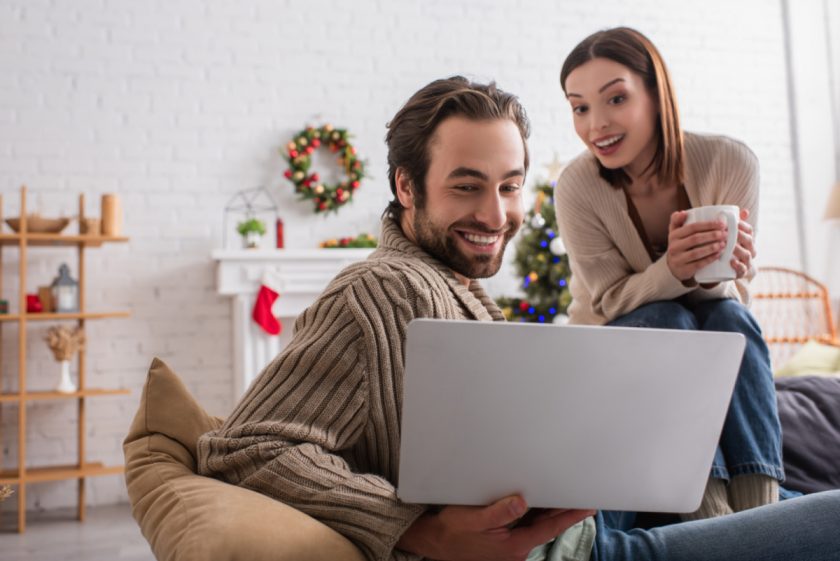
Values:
[(709, 149), (578, 176)]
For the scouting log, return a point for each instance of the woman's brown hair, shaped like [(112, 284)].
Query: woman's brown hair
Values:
[(630, 48)]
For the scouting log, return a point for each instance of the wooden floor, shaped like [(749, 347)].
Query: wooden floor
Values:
[(108, 534)]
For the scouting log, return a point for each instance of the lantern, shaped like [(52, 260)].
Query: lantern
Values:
[(65, 291), (244, 210)]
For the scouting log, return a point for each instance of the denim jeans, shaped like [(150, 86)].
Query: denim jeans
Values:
[(751, 440), (800, 529)]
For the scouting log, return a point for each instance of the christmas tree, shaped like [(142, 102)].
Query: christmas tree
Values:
[(542, 264)]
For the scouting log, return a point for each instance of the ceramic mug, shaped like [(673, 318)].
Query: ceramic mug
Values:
[(720, 269)]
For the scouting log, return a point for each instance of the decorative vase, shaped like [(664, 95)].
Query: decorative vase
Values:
[(252, 240), (66, 385)]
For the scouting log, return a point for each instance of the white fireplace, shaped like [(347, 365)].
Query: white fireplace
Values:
[(302, 274)]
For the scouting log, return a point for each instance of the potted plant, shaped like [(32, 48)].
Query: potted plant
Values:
[(252, 231)]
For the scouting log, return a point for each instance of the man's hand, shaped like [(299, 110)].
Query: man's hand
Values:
[(460, 533), (692, 247)]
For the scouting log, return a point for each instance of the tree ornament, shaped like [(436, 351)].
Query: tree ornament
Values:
[(554, 169), (557, 247), (298, 154), (537, 221), (561, 319)]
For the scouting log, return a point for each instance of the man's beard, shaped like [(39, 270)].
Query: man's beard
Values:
[(441, 245)]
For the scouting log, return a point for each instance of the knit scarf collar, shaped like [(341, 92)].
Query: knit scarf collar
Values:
[(473, 298)]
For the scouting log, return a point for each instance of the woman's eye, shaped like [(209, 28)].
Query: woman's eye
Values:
[(580, 109), (616, 99)]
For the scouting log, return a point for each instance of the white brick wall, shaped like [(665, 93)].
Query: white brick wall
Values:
[(177, 105)]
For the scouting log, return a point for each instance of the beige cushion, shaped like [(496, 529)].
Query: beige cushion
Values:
[(814, 358), (188, 517)]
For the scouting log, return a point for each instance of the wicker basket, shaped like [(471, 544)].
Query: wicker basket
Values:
[(38, 225)]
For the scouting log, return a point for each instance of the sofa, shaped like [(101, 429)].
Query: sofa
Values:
[(187, 517)]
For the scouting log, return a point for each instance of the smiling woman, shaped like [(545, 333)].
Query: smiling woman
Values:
[(621, 209)]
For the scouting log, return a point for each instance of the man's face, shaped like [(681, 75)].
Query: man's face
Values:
[(473, 201)]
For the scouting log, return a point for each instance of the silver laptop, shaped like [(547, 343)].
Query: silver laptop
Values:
[(570, 417)]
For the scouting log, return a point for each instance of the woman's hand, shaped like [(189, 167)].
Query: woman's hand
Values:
[(744, 251), (692, 247)]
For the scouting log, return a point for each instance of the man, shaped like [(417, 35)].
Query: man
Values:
[(319, 428)]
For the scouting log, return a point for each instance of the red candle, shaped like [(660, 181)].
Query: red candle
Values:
[(279, 233)]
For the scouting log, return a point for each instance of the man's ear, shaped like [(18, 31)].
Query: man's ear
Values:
[(405, 190)]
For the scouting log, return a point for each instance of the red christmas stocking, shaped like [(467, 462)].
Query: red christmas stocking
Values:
[(266, 297)]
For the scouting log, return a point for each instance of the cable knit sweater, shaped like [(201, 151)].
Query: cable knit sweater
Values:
[(319, 428), (612, 272)]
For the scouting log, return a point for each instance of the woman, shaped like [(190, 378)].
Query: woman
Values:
[(621, 213)]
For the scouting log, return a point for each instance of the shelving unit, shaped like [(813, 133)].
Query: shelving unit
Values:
[(24, 475)]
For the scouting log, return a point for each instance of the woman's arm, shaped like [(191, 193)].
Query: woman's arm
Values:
[(615, 287), (735, 175)]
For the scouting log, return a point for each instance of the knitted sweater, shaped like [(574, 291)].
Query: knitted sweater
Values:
[(612, 272), (319, 428)]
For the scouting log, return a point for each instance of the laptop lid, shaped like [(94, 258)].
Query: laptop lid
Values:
[(568, 416)]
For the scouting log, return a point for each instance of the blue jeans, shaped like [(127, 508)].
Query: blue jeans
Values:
[(800, 529), (751, 440)]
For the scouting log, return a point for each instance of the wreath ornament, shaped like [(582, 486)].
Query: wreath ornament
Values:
[(308, 185)]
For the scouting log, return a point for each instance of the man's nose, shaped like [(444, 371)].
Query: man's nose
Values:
[(491, 211)]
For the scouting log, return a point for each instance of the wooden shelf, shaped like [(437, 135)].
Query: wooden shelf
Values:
[(58, 473), (86, 240), (49, 395), (52, 316), (21, 475)]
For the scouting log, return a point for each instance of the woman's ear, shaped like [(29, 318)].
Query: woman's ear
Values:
[(405, 190)]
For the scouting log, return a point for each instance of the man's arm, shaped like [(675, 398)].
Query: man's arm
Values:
[(291, 435)]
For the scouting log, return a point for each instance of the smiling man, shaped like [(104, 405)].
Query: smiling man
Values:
[(319, 429), (468, 205)]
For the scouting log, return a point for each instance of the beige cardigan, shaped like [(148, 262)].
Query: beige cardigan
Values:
[(320, 427), (612, 272)]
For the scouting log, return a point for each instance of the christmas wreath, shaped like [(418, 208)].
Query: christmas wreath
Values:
[(308, 185)]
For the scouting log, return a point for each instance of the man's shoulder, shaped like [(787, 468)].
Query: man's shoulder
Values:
[(388, 272)]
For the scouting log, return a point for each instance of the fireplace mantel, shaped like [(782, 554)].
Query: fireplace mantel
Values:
[(302, 273)]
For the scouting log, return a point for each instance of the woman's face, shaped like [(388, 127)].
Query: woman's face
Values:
[(614, 114)]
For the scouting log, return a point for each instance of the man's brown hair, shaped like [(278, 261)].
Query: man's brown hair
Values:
[(630, 48), (414, 125)]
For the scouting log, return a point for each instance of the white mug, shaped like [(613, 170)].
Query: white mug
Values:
[(720, 269)]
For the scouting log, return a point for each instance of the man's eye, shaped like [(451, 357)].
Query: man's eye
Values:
[(512, 188), (466, 188)]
